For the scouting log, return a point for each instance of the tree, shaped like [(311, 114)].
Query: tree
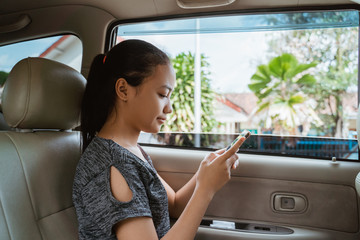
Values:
[(280, 86), (3, 77), (182, 118), (335, 49)]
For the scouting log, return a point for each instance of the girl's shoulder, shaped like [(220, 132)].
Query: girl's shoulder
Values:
[(103, 153), (97, 153), (113, 153)]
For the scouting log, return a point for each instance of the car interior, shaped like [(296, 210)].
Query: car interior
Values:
[(272, 195)]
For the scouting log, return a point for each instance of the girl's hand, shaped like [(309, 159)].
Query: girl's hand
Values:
[(214, 170)]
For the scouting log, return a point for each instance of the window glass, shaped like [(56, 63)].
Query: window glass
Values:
[(289, 78), (66, 49)]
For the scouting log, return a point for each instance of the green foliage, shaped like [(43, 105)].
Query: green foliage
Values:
[(270, 79), (182, 118), (3, 77), (309, 18), (329, 95), (280, 87), (335, 50)]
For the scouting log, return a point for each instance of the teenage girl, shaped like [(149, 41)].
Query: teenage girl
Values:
[(117, 192)]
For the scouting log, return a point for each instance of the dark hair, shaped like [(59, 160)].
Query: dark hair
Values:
[(132, 60)]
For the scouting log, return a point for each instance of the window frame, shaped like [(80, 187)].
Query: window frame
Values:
[(111, 35)]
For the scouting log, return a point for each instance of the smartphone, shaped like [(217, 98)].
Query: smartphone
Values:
[(244, 133)]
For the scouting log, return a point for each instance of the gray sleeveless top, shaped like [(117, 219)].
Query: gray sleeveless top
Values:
[(97, 209)]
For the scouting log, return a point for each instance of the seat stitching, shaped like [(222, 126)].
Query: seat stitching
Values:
[(26, 180), (55, 213), (27, 101), (6, 221)]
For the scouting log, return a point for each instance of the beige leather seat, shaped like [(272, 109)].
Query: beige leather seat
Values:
[(3, 124), (42, 101)]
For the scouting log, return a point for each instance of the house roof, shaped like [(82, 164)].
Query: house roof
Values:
[(224, 100), (247, 102), (244, 101)]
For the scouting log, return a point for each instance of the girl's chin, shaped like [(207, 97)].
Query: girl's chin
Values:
[(153, 130)]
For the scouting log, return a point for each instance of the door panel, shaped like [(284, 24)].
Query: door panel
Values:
[(247, 202), (298, 234), (250, 198)]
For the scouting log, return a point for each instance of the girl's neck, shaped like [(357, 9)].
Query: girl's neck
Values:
[(122, 134), (122, 140), (124, 137)]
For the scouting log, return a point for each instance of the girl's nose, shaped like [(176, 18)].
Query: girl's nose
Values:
[(168, 108)]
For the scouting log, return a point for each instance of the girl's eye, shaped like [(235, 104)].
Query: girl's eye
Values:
[(162, 95)]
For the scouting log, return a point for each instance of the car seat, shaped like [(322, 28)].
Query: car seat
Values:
[(42, 100), (3, 124)]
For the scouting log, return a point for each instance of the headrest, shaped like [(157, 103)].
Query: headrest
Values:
[(42, 94)]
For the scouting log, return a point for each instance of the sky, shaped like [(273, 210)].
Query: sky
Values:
[(233, 57)]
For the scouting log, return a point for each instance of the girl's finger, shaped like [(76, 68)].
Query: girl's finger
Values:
[(220, 151), (235, 165), (233, 149), (231, 161)]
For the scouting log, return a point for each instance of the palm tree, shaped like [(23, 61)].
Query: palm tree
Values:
[(282, 103)]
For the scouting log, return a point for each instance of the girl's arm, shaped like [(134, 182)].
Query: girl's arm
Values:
[(185, 227), (178, 200), (213, 173)]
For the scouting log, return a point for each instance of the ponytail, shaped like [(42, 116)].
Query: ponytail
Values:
[(132, 60), (93, 108)]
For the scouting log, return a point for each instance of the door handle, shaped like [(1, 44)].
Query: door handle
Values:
[(289, 202)]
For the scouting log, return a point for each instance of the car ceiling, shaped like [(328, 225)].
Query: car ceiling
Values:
[(127, 9)]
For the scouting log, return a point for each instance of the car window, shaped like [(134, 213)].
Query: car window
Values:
[(66, 49), (291, 79)]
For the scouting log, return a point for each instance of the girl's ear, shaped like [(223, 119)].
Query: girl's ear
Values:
[(121, 88)]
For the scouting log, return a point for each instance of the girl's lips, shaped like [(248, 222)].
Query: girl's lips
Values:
[(162, 120)]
